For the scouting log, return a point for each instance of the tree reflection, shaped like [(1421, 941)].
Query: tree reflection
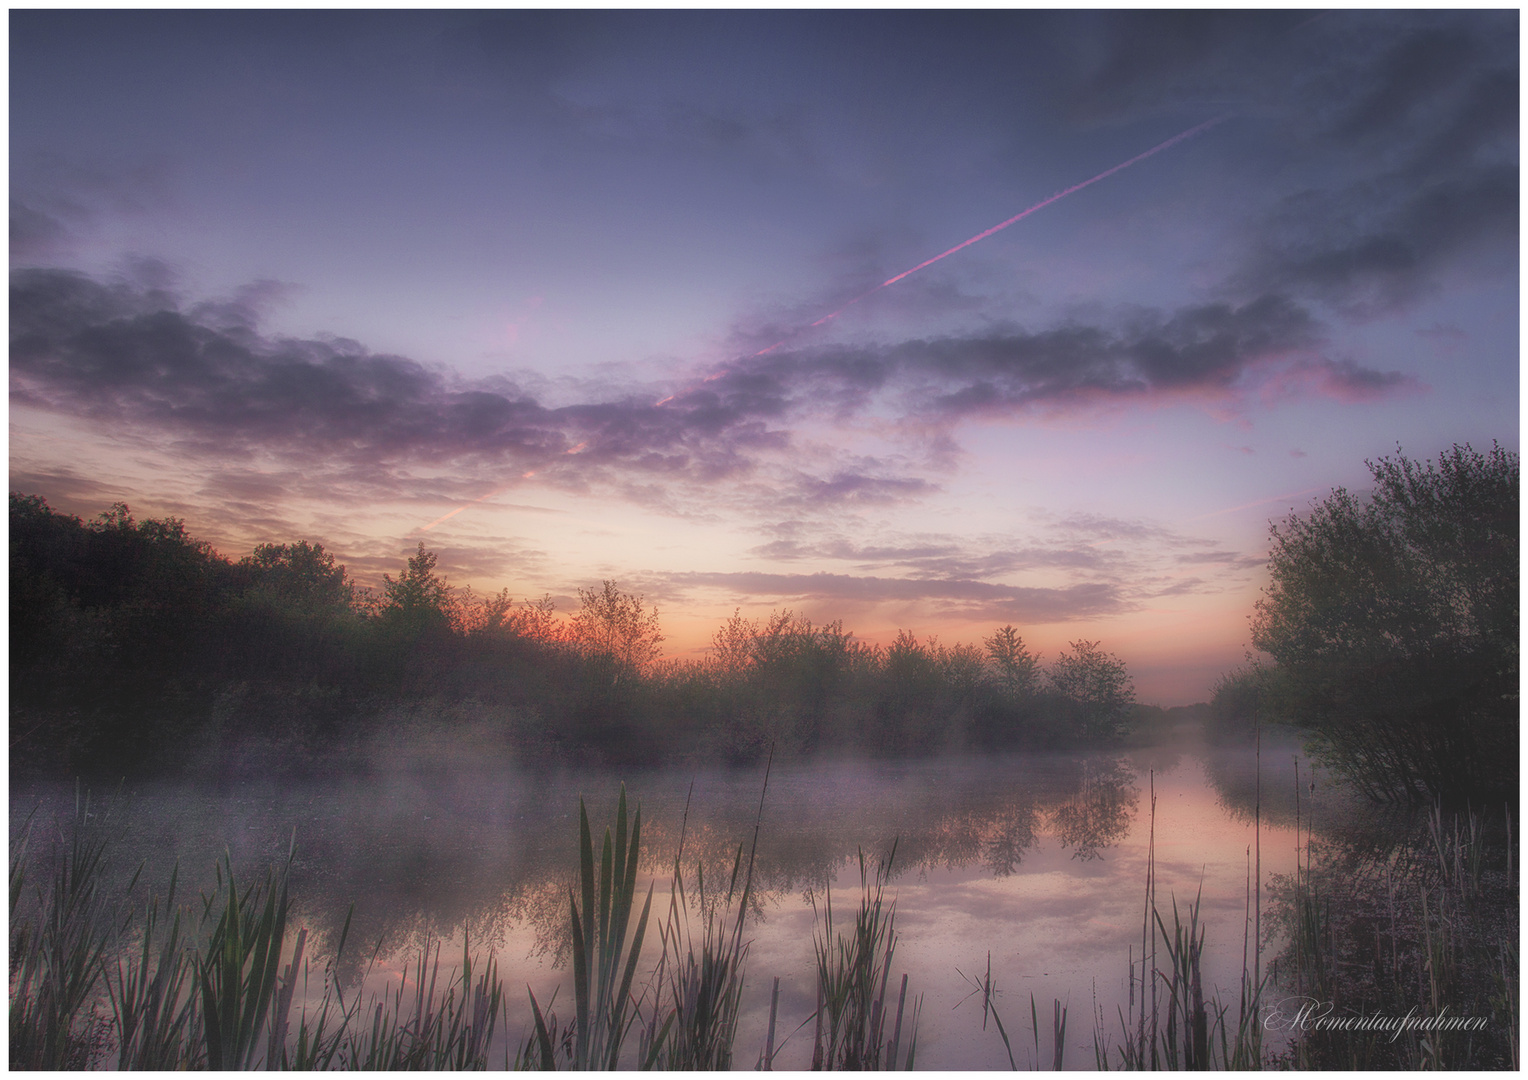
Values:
[(1098, 812), (423, 854)]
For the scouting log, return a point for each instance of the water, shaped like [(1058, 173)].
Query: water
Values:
[(1036, 860)]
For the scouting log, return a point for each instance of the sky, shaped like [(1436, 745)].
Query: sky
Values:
[(583, 295)]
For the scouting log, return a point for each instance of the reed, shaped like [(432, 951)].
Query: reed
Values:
[(150, 993), (238, 973), (319, 1039), (451, 1031), (58, 941), (1176, 1025), (178, 994), (702, 980), (704, 992), (603, 963), (1429, 925), (852, 973)]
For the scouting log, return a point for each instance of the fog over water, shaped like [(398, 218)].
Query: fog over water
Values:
[(1038, 859)]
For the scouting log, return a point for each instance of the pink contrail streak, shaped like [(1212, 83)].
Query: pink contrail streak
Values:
[(474, 502), (1189, 134), (1020, 216)]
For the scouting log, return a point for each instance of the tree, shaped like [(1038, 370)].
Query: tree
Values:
[(732, 646), (419, 598), (1394, 624), (1018, 669), (614, 624), (302, 574), (1095, 689)]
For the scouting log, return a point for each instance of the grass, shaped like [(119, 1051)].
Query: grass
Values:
[(704, 992), (1426, 923), (853, 969), (222, 983), (601, 955)]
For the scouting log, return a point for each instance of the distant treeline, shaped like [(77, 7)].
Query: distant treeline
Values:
[(133, 644)]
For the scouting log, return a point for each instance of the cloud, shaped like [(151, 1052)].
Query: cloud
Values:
[(972, 597), (135, 355), (1218, 350), (206, 376), (35, 233), (1088, 563), (55, 201), (1407, 120)]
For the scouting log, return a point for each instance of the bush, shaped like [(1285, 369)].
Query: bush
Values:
[(1394, 624)]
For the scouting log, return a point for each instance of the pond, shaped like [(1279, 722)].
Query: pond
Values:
[(1033, 863)]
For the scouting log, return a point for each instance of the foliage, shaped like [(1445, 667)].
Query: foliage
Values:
[(855, 1029), (1095, 689), (418, 599), (614, 625), (1394, 625), (301, 574), (603, 963), (136, 646), (1017, 669)]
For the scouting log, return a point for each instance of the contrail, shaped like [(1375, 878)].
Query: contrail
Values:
[(999, 227), (1189, 134), (496, 491), (1260, 502)]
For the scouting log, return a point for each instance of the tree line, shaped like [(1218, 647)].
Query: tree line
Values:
[(134, 643)]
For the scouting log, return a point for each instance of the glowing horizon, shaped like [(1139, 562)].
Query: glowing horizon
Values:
[(501, 284)]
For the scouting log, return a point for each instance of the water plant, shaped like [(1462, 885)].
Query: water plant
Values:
[(603, 963), (704, 991), (56, 954), (449, 1032), (852, 973), (181, 994)]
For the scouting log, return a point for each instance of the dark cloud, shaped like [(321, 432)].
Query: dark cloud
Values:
[(55, 200), (203, 376), (1030, 605), (34, 233), (1366, 249), (69, 490), (1148, 62), (1418, 118), (1218, 349), (1410, 119), (206, 376)]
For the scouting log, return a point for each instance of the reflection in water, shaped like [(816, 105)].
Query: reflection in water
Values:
[(1098, 813), (1035, 858)]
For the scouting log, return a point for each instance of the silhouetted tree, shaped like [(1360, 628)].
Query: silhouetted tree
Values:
[(301, 574), (419, 598), (1095, 690), (1018, 670), (614, 624), (1394, 624)]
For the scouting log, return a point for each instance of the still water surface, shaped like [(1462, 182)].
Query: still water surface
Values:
[(1038, 860)]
